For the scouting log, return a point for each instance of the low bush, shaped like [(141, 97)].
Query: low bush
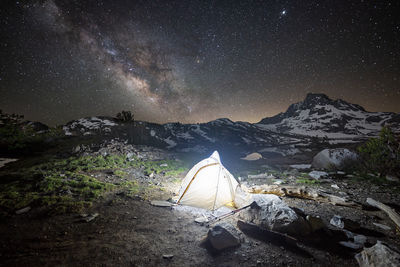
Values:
[(381, 155)]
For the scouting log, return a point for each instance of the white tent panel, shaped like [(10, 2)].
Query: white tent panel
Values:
[(208, 185)]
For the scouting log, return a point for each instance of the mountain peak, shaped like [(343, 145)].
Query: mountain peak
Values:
[(313, 103), (316, 96)]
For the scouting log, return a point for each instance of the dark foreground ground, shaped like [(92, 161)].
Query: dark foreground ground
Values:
[(131, 232), (128, 231)]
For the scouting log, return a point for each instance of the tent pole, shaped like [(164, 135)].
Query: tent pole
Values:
[(231, 189), (216, 192)]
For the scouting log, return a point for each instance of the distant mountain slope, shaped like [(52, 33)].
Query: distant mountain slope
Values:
[(287, 133), (184, 137), (318, 115)]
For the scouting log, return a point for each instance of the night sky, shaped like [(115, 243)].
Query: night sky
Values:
[(195, 61)]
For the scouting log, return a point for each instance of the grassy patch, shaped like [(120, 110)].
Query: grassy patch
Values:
[(66, 184), (120, 173), (307, 181)]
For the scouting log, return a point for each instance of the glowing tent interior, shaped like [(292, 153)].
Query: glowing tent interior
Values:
[(208, 185)]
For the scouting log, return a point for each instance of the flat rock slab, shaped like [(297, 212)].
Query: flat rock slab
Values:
[(161, 203)]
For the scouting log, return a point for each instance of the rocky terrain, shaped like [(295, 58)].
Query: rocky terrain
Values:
[(120, 226), (99, 191)]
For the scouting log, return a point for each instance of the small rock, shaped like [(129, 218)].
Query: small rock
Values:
[(167, 256), (77, 149), (91, 217), (382, 226), (223, 235), (337, 221), (392, 178), (201, 219), (335, 186), (341, 172), (342, 223), (164, 165), (24, 210), (151, 175), (278, 182), (161, 203)]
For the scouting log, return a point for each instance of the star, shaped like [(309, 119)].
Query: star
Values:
[(223, 59)]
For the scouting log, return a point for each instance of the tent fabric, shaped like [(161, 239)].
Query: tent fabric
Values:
[(208, 185)]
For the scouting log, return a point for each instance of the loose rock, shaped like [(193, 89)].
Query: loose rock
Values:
[(161, 203), (337, 221), (223, 236), (335, 186), (378, 255), (201, 219)]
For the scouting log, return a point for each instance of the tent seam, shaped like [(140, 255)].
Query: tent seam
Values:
[(194, 176)]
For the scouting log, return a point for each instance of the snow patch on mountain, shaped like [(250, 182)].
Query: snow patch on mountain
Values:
[(199, 131), (170, 142), (320, 116), (86, 126)]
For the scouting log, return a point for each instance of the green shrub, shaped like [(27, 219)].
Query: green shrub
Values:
[(381, 155)]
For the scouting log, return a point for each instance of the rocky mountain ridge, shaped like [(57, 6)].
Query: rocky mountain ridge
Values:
[(288, 133), (320, 116)]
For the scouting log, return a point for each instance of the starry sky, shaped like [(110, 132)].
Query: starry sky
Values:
[(194, 61)]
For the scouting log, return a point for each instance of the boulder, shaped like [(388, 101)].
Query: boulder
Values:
[(252, 156), (223, 236), (271, 213), (333, 158), (378, 255)]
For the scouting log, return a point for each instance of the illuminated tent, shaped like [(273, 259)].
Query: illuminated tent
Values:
[(208, 185)]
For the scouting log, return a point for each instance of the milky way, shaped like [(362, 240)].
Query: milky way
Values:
[(194, 61)]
